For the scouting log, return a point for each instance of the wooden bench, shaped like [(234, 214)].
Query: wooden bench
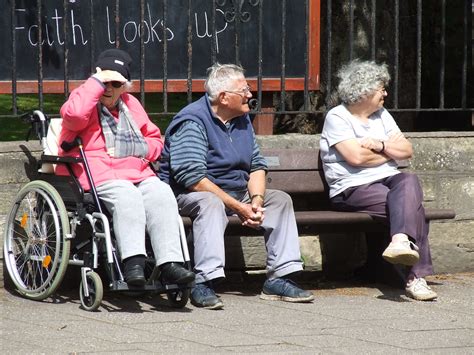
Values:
[(299, 172)]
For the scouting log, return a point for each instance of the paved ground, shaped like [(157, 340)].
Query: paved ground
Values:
[(344, 318)]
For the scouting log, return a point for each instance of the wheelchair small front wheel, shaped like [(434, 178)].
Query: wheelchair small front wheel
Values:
[(96, 292), (178, 298)]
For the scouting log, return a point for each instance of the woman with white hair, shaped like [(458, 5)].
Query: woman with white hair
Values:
[(359, 146)]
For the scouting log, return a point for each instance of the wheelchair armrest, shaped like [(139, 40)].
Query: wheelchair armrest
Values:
[(60, 160)]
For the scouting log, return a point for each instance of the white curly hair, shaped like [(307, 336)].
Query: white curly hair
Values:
[(360, 79)]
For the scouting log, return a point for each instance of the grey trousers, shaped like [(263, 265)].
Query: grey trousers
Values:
[(210, 221), (147, 206), (397, 200)]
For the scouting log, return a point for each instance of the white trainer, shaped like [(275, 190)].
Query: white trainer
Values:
[(401, 252), (419, 290)]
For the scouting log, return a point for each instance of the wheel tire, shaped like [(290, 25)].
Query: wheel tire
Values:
[(96, 292), (36, 240), (178, 298)]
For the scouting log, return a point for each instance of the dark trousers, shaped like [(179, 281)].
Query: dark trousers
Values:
[(396, 200)]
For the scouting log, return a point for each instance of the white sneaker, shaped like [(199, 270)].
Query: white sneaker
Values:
[(419, 290), (400, 252)]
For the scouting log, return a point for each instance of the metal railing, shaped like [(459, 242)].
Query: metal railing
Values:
[(426, 44)]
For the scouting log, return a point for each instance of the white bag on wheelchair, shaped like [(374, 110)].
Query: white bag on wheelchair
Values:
[(51, 144)]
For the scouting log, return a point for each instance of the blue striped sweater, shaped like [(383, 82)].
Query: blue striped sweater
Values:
[(198, 145)]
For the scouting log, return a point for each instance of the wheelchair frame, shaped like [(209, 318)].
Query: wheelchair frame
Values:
[(43, 221)]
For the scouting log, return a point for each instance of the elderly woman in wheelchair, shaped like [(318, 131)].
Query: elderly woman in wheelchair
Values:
[(115, 142)]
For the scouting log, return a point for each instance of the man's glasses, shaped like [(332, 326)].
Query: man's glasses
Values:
[(242, 92), (115, 84)]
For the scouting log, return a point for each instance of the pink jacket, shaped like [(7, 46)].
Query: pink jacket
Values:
[(81, 118)]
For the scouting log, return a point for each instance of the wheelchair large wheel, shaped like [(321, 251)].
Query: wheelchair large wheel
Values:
[(178, 298), (36, 240), (96, 292)]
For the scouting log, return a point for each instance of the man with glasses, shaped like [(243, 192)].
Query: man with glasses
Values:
[(214, 166)]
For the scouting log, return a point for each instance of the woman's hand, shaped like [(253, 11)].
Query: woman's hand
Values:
[(372, 144), (106, 76)]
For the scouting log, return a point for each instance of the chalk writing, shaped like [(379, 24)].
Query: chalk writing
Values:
[(152, 28)]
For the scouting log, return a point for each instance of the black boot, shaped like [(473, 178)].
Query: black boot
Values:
[(134, 273), (175, 273)]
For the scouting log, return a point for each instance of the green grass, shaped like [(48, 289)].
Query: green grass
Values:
[(13, 128)]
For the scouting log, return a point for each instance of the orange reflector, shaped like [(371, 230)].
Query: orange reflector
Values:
[(46, 261), (24, 219)]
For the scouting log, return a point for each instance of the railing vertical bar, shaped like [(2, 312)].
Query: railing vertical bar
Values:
[(351, 29), (373, 26), (442, 54), (92, 32), (13, 58), (117, 23), (396, 54), (465, 54), (260, 55), (165, 57), (190, 54), (66, 48), (419, 27), (142, 52), (236, 38), (40, 55), (329, 50), (214, 36), (283, 55), (306, 62)]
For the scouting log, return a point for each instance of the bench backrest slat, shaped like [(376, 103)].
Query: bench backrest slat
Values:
[(292, 159), (293, 182), (295, 171)]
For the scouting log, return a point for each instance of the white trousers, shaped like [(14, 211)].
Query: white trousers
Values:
[(149, 206)]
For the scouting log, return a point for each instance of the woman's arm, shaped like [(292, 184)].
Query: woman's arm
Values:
[(357, 155), (77, 110)]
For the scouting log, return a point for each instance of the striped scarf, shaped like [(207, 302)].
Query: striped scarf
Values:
[(122, 138)]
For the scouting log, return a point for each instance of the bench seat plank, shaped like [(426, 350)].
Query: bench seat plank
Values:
[(339, 218)]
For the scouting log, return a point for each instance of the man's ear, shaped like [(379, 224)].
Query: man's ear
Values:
[(222, 98)]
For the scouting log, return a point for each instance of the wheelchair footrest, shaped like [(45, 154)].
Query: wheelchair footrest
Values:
[(153, 286)]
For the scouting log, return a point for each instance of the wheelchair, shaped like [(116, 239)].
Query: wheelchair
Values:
[(40, 238)]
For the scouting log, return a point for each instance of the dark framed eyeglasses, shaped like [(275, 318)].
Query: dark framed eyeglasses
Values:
[(115, 84)]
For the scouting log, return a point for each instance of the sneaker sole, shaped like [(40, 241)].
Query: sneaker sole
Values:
[(422, 297), (218, 305), (264, 296), (409, 259)]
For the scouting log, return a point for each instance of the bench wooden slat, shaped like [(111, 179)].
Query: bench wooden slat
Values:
[(294, 159), (339, 218), (433, 214), (304, 182)]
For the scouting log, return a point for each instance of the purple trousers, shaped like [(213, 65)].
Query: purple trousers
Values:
[(396, 200)]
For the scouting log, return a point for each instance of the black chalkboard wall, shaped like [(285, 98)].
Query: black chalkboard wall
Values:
[(81, 19)]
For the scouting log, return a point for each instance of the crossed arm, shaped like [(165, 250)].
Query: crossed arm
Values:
[(371, 152)]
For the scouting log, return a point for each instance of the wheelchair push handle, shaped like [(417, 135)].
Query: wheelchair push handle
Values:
[(39, 124)]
